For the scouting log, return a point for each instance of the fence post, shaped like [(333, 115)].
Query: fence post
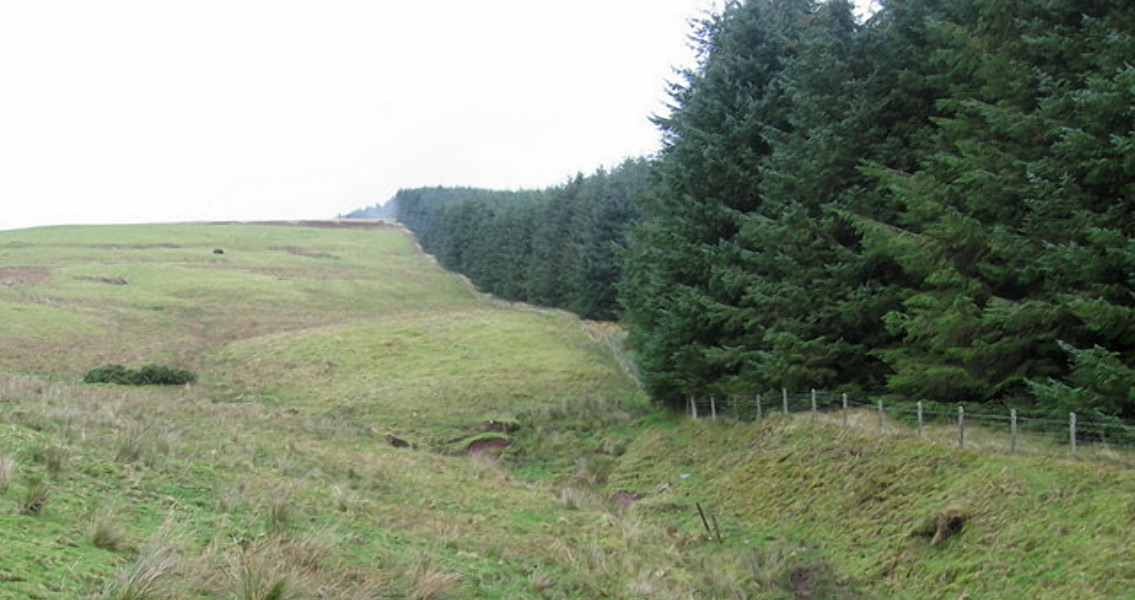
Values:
[(713, 407), (1072, 430), (845, 410), (813, 405), (881, 413), (784, 397), (1012, 431), (961, 427), (920, 422), (693, 407), (760, 414)]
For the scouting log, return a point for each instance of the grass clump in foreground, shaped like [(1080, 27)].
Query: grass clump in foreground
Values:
[(145, 375), (7, 471), (148, 577), (36, 494)]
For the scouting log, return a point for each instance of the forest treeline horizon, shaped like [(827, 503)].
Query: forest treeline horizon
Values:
[(935, 204)]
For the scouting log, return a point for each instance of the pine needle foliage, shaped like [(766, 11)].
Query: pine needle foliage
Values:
[(932, 204)]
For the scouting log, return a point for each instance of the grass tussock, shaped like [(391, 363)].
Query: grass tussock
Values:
[(55, 459), (7, 471), (132, 444), (36, 494), (149, 577), (105, 531), (262, 575), (428, 581), (280, 512)]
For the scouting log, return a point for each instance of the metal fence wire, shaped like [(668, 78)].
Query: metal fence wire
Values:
[(984, 429)]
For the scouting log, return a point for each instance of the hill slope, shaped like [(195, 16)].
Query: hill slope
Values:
[(273, 476)]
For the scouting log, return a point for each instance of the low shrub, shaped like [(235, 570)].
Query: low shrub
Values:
[(145, 375), (108, 374), (159, 375)]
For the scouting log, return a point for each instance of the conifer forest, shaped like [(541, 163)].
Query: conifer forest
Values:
[(935, 202)]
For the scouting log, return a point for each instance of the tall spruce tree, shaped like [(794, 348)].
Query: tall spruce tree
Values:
[(679, 290), (936, 203), (1024, 207)]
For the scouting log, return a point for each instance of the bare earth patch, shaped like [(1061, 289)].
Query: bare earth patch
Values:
[(488, 447), (103, 279), (12, 276), (134, 246), (625, 499), (299, 251)]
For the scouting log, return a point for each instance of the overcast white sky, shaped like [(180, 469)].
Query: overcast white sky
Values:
[(116, 111)]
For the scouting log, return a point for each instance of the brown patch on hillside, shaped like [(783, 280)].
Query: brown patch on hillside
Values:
[(299, 251), (103, 279), (944, 525), (626, 499), (398, 442), (133, 246), (802, 583), (13, 276), (490, 447)]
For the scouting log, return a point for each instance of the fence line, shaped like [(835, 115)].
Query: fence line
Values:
[(1014, 432)]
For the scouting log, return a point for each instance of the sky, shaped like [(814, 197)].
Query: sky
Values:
[(159, 111)]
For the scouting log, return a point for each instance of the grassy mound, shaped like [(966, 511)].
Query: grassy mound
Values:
[(895, 517)]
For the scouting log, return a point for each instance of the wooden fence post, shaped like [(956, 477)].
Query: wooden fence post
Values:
[(813, 405), (881, 413), (693, 407), (920, 422), (1013, 431), (1072, 430), (784, 398), (713, 407), (961, 427), (759, 412), (845, 410)]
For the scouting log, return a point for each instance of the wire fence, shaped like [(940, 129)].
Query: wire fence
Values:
[(1057, 434)]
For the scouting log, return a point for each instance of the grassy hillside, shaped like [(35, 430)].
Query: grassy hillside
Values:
[(312, 345), (847, 502), (273, 476)]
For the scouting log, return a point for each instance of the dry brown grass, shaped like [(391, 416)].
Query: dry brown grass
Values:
[(429, 581), (36, 494), (105, 531), (150, 576), (7, 471)]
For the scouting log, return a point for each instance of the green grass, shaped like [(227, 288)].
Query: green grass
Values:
[(1036, 527), (274, 467), (271, 476)]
